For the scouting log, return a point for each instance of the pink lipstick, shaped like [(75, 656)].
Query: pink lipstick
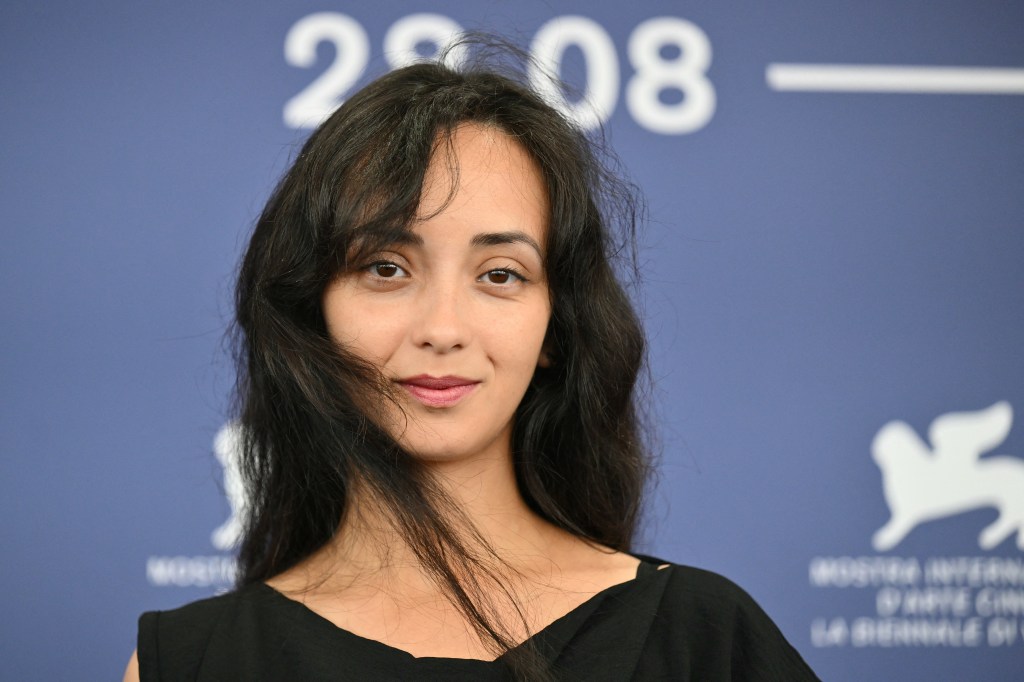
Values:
[(443, 391)]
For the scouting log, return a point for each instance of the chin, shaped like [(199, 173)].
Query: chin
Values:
[(445, 448), (438, 452)]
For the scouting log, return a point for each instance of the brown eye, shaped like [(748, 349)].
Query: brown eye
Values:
[(502, 276), (385, 270)]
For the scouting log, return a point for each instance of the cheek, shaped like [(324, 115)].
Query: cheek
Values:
[(516, 341), (366, 333)]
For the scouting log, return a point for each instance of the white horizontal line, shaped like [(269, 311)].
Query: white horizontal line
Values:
[(889, 78)]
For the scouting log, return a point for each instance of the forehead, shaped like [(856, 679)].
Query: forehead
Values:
[(479, 177)]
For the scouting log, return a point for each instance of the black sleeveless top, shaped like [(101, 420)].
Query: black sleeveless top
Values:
[(678, 623)]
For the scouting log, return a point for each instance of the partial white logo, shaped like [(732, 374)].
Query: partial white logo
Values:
[(227, 446), (923, 483)]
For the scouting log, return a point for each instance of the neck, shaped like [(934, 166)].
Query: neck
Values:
[(369, 551)]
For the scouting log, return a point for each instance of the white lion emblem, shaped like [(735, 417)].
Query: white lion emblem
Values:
[(227, 447), (950, 477)]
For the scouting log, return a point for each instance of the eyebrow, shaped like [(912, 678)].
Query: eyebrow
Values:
[(496, 238), (482, 239)]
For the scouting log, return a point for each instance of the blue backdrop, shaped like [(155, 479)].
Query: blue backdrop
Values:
[(833, 289)]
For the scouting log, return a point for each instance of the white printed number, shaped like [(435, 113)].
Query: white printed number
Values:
[(670, 57), (602, 88), (686, 73), (352, 51), (351, 55)]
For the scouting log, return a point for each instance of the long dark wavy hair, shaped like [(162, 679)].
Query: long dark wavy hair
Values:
[(310, 436)]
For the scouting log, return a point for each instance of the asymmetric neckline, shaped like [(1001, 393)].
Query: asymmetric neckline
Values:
[(681, 623), (554, 635)]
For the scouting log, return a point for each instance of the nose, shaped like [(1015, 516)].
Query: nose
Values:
[(441, 324)]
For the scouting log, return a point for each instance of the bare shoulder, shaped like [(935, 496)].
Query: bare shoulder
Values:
[(611, 562), (307, 577), (590, 567), (131, 673)]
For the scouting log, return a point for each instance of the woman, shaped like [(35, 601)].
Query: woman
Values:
[(438, 400)]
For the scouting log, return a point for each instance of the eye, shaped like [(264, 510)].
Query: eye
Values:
[(502, 277), (385, 270)]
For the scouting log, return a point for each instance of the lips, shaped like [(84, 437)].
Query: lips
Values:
[(443, 391)]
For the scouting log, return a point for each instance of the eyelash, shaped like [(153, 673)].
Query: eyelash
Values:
[(370, 268), (507, 270)]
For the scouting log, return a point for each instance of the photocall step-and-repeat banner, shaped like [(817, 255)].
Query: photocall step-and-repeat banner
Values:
[(833, 291)]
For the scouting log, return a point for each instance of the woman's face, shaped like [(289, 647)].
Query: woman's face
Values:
[(456, 315)]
